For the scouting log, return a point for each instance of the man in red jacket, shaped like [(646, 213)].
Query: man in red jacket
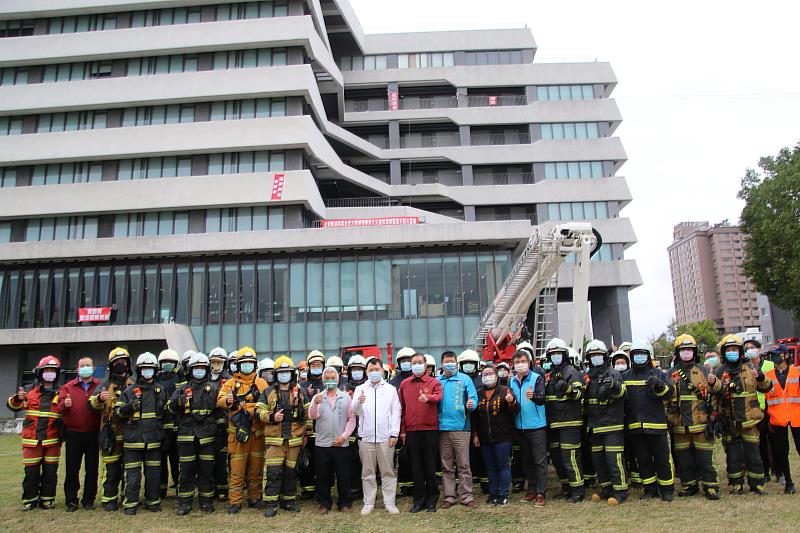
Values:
[(420, 395), (81, 429)]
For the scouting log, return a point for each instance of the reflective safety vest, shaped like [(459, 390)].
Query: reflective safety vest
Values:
[(783, 403)]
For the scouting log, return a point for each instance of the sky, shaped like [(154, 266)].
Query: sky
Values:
[(705, 88)]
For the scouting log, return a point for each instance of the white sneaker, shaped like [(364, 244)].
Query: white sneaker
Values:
[(391, 509), (366, 509)]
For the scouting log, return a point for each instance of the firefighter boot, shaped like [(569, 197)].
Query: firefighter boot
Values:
[(618, 498), (689, 490), (184, 509), (271, 511), (650, 492), (737, 490), (576, 495), (712, 493)]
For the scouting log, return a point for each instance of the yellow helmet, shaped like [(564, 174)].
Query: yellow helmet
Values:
[(730, 340), (117, 353), (247, 354), (283, 362), (685, 341)]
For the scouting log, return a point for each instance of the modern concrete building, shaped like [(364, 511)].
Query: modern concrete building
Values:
[(266, 174), (707, 277)]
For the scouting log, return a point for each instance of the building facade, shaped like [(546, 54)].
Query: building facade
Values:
[(707, 277), (264, 173)]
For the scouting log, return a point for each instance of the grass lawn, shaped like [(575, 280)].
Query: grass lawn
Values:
[(776, 512)]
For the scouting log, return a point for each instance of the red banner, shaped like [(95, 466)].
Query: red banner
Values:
[(94, 314), (394, 100), (277, 187), (366, 222), (492, 100)]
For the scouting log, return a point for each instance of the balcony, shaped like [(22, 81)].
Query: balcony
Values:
[(430, 140), (496, 101), (503, 178), (433, 102), (511, 137)]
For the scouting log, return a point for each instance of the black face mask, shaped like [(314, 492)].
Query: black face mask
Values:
[(119, 368), (776, 359)]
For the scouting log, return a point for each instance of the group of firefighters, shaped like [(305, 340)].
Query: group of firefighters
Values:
[(234, 429)]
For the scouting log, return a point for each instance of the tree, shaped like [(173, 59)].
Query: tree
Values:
[(705, 333), (771, 223)]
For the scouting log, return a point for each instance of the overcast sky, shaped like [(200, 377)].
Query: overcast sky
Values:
[(705, 88)]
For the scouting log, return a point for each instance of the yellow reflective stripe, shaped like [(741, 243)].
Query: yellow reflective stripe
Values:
[(148, 415), (635, 382), (663, 392), (185, 438), (568, 424), (207, 440), (653, 425), (296, 441), (206, 457), (33, 442), (42, 414), (635, 425), (688, 397), (50, 442), (606, 429), (744, 394), (621, 392), (273, 441)]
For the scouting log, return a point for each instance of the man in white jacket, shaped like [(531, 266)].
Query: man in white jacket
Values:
[(377, 406)]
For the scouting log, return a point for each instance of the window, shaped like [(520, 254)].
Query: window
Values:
[(565, 92), (577, 211), (579, 130), (574, 170)]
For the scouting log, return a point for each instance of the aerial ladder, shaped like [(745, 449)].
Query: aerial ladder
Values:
[(534, 279)]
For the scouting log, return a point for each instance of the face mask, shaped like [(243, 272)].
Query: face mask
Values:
[(731, 357), (640, 358), (449, 368), (375, 377), (168, 367), (547, 366), (501, 374), (216, 367), (331, 384), (49, 376), (357, 375), (776, 358), (121, 368), (521, 368), (751, 354), (198, 373), (686, 355), (713, 361), (405, 366), (418, 369), (468, 368), (247, 368), (316, 371), (234, 367), (284, 377), (597, 360), (489, 381), (304, 375), (85, 371), (147, 373), (620, 367), (557, 358)]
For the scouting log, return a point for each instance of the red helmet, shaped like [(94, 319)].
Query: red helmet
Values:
[(48, 361)]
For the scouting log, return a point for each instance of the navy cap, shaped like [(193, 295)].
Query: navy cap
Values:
[(778, 349)]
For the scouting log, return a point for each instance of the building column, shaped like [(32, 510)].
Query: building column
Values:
[(611, 314)]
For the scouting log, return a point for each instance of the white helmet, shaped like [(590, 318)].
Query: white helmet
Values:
[(642, 345), (198, 359), (234, 354), (526, 347), (357, 360), (596, 346), (556, 345), (574, 357), (405, 352), (334, 361), (168, 355), (430, 361), (469, 356), (265, 364), (315, 355), (146, 359), (218, 353), (625, 346), (187, 355)]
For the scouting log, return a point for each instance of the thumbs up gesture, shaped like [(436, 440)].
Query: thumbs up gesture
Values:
[(711, 378), (363, 397), (470, 404), (279, 415), (104, 396), (21, 394), (68, 401), (529, 393), (318, 398), (509, 396), (422, 398), (229, 399)]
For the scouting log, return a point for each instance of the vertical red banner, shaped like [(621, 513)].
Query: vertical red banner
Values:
[(394, 100), (492, 100), (277, 186)]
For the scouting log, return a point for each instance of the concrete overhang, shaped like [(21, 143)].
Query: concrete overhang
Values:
[(177, 336)]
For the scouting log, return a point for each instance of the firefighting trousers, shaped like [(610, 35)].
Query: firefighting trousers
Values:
[(41, 473), (743, 456), (170, 462), (308, 477), (478, 466), (281, 460), (247, 463), (608, 458), (138, 455), (694, 453), (565, 449), (221, 462), (654, 460), (355, 466), (112, 474), (197, 469)]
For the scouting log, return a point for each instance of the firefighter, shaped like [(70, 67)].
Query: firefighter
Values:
[(503, 373), (184, 369), (41, 434), (469, 363), (308, 483), (239, 396), (282, 407), (141, 407), (646, 422), (564, 410), (405, 483), (740, 414), (302, 374), (688, 419), (620, 361), (104, 398), (168, 379), (194, 405), (605, 416), (233, 366), (356, 375), (218, 358), (336, 362), (266, 369)]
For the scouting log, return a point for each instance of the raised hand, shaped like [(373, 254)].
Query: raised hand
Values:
[(712, 377), (509, 396), (21, 394), (68, 401), (318, 398), (104, 396), (279, 415), (363, 397)]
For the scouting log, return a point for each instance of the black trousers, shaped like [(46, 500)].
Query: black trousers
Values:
[(779, 442), (533, 456), (608, 457), (404, 476), (565, 452), (355, 467), (197, 469), (330, 462), (653, 458), (136, 456), (81, 447), (221, 461), (423, 450), (764, 449), (170, 456), (308, 482), (743, 457)]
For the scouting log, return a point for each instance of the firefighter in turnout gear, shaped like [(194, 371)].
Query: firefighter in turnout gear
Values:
[(266, 370), (283, 408), (218, 359), (646, 421), (104, 398), (316, 364), (564, 409), (41, 434), (194, 405), (169, 378), (690, 419), (239, 396), (605, 417), (739, 415), (141, 407)]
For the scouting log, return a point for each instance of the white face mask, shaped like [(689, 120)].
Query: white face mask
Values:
[(49, 377), (686, 355), (620, 367), (751, 354), (521, 368), (597, 360), (468, 368), (557, 358)]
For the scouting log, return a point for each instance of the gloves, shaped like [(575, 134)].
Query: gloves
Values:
[(604, 390), (561, 388), (136, 404), (653, 382)]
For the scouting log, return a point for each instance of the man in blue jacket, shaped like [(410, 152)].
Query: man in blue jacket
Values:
[(459, 399)]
